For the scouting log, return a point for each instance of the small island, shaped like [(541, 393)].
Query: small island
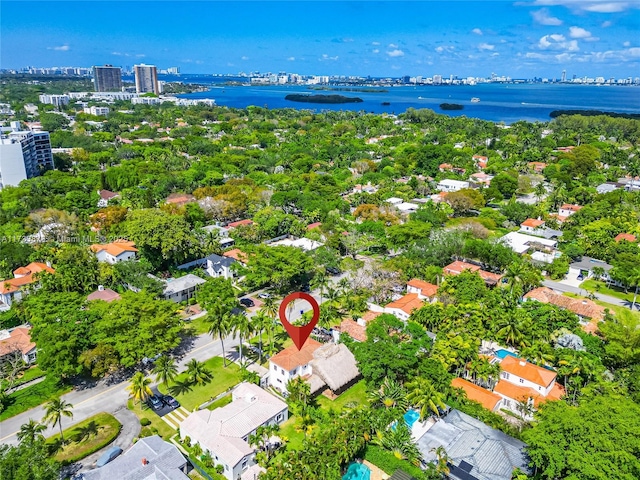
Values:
[(451, 106), (297, 97), (593, 113), (386, 103)]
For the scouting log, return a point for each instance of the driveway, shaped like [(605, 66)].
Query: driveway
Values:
[(564, 287)]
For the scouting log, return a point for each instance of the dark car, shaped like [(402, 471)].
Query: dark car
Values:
[(155, 402), (305, 288), (169, 401), (247, 302), (107, 456), (332, 270)]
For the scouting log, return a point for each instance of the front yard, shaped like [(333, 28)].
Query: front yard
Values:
[(601, 287), (157, 425), (30, 397)]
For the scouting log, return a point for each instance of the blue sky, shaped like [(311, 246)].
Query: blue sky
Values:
[(521, 39)]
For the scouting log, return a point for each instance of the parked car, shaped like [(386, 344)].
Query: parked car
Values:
[(107, 456), (332, 270), (264, 295), (169, 401), (247, 302), (305, 288), (155, 402)]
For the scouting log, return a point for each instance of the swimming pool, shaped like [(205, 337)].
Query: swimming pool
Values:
[(411, 417), (357, 471), (502, 354)]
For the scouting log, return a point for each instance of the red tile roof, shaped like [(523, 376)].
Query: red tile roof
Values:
[(427, 289), (370, 315), (532, 222), (625, 236), (584, 308), (106, 295), (457, 267), (407, 304), (291, 357), (180, 198), (311, 226), (24, 276), (237, 255), (573, 208), (353, 329), (115, 248), (487, 399), (240, 223), (19, 339), (523, 369), (107, 195), (518, 393)]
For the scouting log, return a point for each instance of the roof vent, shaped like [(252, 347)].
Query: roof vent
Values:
[(522, 363), (144, 461), (584, 302), (101, 288)]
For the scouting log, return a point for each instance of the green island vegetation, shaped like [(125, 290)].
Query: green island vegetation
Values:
[(451, 106), (286, 170), (297, 97), (591, 113)]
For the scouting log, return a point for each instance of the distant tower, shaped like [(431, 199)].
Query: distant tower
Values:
[(107, 78), (564, 76), (146, 79)]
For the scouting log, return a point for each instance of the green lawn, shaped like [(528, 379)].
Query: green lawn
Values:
[(293, 437), (355, 395), (86, 437), (615, 309), (29, 374), (223, 380), (32, 396), (157, 426), (198, 325), (226, 400), (601, 287)]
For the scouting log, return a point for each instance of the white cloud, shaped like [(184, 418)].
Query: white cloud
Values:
[(327, 57), (486, 46), (634, 52), (495, 54), (599, 6), (292, 59), (61, 48), (396, 53), (610, 7), (577, 32), (558, 42), (244, 57), (543, 17), (477, 31), (448, 48), (375, 43), (606, 24), (626, 44), (376, 50), (393, 45)]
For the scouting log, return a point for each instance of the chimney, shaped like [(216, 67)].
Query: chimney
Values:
[(522, 363), (101, 288), (144, 461)]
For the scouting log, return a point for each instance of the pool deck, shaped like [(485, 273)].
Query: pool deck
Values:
[(376, 473), (420, 428)]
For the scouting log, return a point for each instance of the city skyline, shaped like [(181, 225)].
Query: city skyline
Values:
[(526, 39)]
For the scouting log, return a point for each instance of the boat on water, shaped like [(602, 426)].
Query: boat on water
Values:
[(475, 100)]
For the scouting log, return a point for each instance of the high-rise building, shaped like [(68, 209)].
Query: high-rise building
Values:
[(107, 78), (23, 154), (564, 76), (146, 79)]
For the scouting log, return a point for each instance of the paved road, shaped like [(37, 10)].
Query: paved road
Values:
[(561, 287)]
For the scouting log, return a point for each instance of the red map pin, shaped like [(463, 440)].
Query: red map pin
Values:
[(299, 335)]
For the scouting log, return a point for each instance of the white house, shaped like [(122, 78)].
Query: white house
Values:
[(407, 207), (181, 289), (305, 244), (394, 200), (521, 243), (14, 289), (215, 266), (584, 268), (115, 252), (223, 234), (404, 306), (17, 341), (448, 185), (567, 210), (532, 225), (225, 431), (424, 290), (105, 196), (291, 363)]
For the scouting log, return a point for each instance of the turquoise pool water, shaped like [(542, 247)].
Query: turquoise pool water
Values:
[(502, 354), (411, 417), (357, 471)]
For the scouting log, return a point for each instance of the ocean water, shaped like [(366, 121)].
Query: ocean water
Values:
[(498, 102)]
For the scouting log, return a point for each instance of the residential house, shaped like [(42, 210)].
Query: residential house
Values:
[(489, 400), (225, 431), (589, 312), (457, 267), (305, 244), (567, 210), (356, 329), (626, 237), (532, 225), (583, 269), (424, 290), (333, 369), (215, 266), (104, 294), (240, 223), (521, 243), (407, 207), (238, 255), (537, 167), (522, 381), (180, 199), (223, 235), (17, 341), (404, 306), (150, 458), (480, 161), (313, 225), (448, 185), (181, 289), (105, 196), (291, 363), (394, 200), (475, 451), (445, 167), (607, 187), (115, 252), (14, 289), (481, 178)]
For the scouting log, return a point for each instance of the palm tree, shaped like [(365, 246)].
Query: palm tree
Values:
[(198, 373), (424, 396), (165, 369), (31, 431), (397, 439), (442, 466), (55, 410), (261, 322), (181, 387), (320, 282), (540, 191), (139, 387), (390, 395), (220, 325), (242, 327)]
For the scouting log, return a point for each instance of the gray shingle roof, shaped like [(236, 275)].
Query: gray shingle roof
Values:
[(218, 260), (183, 283), (587, 263), (164, 463)]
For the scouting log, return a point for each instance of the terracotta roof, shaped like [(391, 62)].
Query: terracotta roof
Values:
[(236, 254), (445, 166), (19, 338), (523, 369), (479, 157), (407, 304), (106, 295), (518, 393), (584, 308), (458, 267), (25, 277), (625, 236), (353, 329), (427, 289), (291, 357), (370, 315), (573, 208), (311, 226), (180, 198), (106, 194), (240, 223), (115, 248), (487, 399), (532, 222), (537, 165), (489, 277)]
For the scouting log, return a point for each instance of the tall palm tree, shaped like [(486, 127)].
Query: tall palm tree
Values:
[(198, 373), (165, 369), (31, 431), (55, 410), (139, 387), (242, 327), (261, 323), (320, 281), (219, 325), (424, 396)]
